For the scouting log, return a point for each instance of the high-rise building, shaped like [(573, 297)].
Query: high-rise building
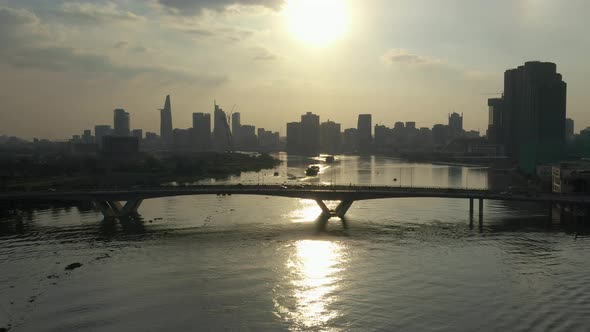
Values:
[(166, 121), (383, 137), (534, 116), (267, 140), (236, 123), (350, 140), (87, 137), (455, 124), (569, 129), (181, 139), (399, 135), (310, 134), (294, 137), (101, 131), (440, 134), (221, 134), (201, 131), (495, 129), (330, 137), (364, 135), (121, 122), (247, 138)]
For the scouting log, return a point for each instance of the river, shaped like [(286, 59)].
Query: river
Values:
[(256, 263)]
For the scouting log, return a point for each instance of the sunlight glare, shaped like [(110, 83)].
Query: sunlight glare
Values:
[(307, 211), (317, 265), (317, 22)]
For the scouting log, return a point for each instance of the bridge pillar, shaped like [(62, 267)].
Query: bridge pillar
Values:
[(339, 211), (114, 209), (471, 207), (343, 207), (106, 210), (131, 206), (325, 210), (480, 209)]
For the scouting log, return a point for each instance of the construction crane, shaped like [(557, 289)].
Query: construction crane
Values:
[(229, 133), (229, 115), (225, 119)]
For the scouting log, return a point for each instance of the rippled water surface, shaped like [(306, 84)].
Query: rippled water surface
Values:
[(256, 263)]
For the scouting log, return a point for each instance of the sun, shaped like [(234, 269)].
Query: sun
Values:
[(317, 22)]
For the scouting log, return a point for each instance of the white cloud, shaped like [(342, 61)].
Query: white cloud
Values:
[(404, 57), (27, 45), (86, 12), (195, 7), (263, 54)]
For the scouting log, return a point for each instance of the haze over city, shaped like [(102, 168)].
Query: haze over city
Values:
[(67, 64)]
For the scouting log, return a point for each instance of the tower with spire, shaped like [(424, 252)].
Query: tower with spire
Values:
[(166, 121)]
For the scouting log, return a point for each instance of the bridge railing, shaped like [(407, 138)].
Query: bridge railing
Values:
[(299, 187), (265, 187)]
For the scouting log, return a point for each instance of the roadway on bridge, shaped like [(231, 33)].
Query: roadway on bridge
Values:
[(315, 192)]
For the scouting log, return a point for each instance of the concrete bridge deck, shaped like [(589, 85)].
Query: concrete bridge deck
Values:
[(302, 191), (109, 201)]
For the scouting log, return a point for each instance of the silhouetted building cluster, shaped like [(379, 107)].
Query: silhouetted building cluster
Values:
[(527, 124), (302, 137), (200, 137)]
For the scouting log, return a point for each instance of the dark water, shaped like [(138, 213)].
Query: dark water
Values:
[(256, 263)]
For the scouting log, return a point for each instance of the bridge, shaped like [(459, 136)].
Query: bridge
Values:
[(110, 202)]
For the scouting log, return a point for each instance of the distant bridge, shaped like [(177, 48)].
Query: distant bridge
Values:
[(109, 202)]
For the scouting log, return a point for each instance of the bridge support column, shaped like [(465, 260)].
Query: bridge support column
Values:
[(339, 211), (343, 207), (114, 209), (106, 210), (471, 207), (131, 207), (481, 210), (325, 211)]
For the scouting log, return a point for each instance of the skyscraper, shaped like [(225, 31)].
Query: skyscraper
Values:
[(350, 140), (383, 137), (495, 129), (534, 116), (121, 122), (569, 129), (294, 137), (236, 124), (310, 134), (330, 137), (455, 124), (201, 131), (101, 131), (221, 133), (166, 121), (365, 137)]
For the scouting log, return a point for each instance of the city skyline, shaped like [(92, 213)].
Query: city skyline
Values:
[(422, 61)]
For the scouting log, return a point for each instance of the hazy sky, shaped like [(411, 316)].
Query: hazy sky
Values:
[(65, 65)]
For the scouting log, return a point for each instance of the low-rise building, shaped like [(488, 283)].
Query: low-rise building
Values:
[(571, 177)]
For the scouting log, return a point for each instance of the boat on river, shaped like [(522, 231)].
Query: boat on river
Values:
[(312, 170)]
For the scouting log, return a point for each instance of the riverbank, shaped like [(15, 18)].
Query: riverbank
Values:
[(68, 172)]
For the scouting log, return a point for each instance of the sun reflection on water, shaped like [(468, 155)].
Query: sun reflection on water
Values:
[(314, 273), (307, 211)]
